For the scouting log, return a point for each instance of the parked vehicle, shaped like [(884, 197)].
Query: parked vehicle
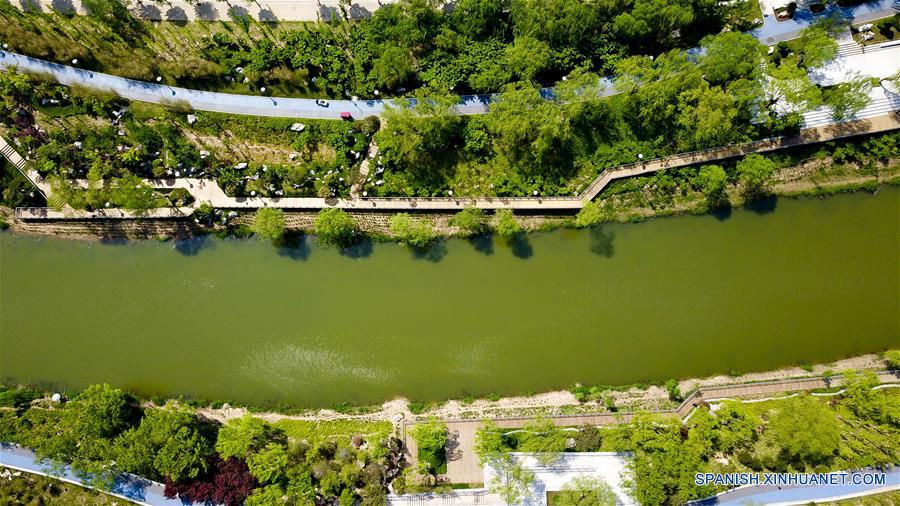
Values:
[(346, 116), (321, 102)]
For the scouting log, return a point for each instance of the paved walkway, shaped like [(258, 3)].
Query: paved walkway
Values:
[(126, 486), (207, 190), (463, 465)]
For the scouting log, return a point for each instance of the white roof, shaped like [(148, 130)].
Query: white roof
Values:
[(604, 465), (880, 63)]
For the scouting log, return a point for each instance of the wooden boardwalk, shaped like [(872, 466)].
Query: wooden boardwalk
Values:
[(207, 190), (463, 465)]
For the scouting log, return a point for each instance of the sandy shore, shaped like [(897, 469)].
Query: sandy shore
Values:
[(654, 397)]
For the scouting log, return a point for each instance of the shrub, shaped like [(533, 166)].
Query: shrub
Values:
[(269, 223), (892, 359), (506, 225), (673, 390), (470, 221), (335, 226), (589, 215), (415, 233)]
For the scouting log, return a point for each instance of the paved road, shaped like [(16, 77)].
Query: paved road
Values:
[(127, 486), (772, 31)]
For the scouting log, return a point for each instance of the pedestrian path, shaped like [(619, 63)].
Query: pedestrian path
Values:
[(208, 191), (463, 465)]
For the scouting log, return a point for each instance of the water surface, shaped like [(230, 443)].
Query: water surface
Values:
[(807, 281)]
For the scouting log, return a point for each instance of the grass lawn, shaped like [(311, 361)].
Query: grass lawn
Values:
[(336, 430), (29, 489)]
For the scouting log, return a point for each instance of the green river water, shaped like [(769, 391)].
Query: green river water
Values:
[(807, 281)]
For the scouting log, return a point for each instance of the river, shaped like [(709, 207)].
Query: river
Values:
[(808, 280)]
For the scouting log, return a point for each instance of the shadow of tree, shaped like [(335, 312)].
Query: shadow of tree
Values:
[(483, 243), (358, 12), (362, 249), (267, 16), (327, 13), (602, 241), (177, 15), (521, 246), (30, 5), (191, 246), (764, 205), (294, 246), (206, 11), (64, 7), (434, 252), (147, 11)]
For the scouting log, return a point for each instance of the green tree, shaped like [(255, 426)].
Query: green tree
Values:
[(335, 226), (807, 430), (848, 97), (589, 214), (543, 437), (730, 56), (470, 221), (505, 224), (528, 57), (712, 180), (662, 471), (168, 443), (392, 68), (489, 443), (415, 233), (510, 480), (269, 223), (755, 171), (654, 19), (737, 426), (268, 464), (431, 440), (816, 45), (673, 390), (585, 491)]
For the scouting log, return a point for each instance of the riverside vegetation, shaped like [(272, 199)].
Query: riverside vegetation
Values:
[(529, 143), (102, 431), (855, 429)]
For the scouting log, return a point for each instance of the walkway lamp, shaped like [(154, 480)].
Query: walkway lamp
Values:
[(262, 89), (74, 61), (159, 79)]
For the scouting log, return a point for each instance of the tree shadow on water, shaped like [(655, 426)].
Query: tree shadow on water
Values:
[(721, 213), (483, 243), (602, 241), (362, 249), (191, 246), (434, 252), (521, 247), (294, 246), (764, 205)]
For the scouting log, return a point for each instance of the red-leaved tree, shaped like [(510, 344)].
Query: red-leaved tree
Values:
[(227, 481)]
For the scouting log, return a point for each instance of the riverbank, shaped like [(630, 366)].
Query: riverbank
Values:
[(814, 177), (559, 402)]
